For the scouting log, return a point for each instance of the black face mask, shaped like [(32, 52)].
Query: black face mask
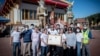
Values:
[(65, 29)]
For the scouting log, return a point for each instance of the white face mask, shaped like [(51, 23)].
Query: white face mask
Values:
[(46, 26), (77, 30), (85, 27), (71, 26), (78, 25), (31, 27), (26, 28)]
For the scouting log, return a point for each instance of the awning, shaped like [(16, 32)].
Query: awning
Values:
[(59, 4), (3, 19), (56, 3)]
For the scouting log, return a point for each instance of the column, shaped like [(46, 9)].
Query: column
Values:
[(65, 17), (12, 16), (17, 17), (21, 15)]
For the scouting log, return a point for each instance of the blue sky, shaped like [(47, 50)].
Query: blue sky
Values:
[(1, 3), (84, 8)]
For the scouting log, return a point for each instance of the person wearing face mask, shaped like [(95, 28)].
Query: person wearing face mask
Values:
[(15, 41), (59, 49), (65, 28), (26, 34), (79, 37), (71, 25), (44, 47), (52, 30), (58, 28), (52, 49), (32, 26), (87, 35), (71, 42), (35, 41)]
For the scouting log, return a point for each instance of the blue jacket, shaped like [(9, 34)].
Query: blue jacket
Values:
[(27, 35), (90, 35)]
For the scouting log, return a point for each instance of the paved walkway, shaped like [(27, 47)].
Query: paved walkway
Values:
[(95, 43), (6, 48)]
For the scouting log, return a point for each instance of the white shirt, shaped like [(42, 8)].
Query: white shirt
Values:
[(63, 38), (58, 30), (16, 36), (44, 37), (79, 37), (35, 36), (52, 32)]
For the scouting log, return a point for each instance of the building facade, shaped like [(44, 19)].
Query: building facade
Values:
[(81, 21), (25, 11)]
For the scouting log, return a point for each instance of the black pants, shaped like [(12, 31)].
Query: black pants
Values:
[(59, 51), (52, 50), (71, 51), (64, 52)]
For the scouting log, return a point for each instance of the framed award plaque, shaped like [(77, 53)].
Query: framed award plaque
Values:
[(54, 40)]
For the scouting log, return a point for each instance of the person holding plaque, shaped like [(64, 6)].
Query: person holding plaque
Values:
[(59, 49), (52, 30), (52, 48), (58, 28)]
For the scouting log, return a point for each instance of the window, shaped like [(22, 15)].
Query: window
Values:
[(35, 14), (31, 14), (59, 15), (28, 14), (23, 14)]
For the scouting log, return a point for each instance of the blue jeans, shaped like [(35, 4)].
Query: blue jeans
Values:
[(44, 51), (15, 46), (78, 48)]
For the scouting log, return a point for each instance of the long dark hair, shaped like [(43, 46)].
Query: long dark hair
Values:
[(79, 29), (61, 29), (70, 28)]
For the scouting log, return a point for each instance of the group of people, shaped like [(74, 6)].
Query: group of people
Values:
[(74, 39)]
